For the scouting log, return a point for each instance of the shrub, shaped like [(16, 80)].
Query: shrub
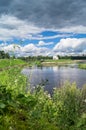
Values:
[(38, 110)]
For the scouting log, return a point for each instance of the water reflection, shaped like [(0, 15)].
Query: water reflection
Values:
[(55, 76)]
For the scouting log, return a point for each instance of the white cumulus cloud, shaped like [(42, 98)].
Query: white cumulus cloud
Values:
[(65, 46), (70, 45), (73, 29), (26, 50), (12, 27), (42, 43)]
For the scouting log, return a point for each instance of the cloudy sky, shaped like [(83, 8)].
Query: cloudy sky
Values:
[(43, 27)]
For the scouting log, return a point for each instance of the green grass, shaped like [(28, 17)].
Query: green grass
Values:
[(10, 62), (13, 79), (82, 66), (60, 60), (57, 62), (65, 110), (37, 110), (22, 109)]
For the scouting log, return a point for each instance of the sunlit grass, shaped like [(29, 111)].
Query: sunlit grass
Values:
[(22, 109), (37, 110), (10, 62), (82, 66)]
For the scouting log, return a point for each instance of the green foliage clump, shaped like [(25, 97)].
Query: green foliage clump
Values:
[(4, 55), (7, 63), (38, 110), (82, 66), (22, 109), (68, 101)]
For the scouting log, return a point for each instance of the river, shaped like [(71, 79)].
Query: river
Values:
[(55, 76)]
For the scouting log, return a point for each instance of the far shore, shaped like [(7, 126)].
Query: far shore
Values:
[(61, 62)]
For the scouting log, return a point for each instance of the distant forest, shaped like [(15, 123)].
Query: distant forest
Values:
[(4, 55), (42, 58), (83, 57)]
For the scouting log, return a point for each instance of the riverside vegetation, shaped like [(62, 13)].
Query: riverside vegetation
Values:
[(82, 66), (38, 110)]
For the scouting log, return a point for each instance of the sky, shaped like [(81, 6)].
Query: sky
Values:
[(43, 27)]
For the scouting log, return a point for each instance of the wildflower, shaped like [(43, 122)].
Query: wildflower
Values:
[(54, 88), (15, 81), (49, 96), (85, 100)]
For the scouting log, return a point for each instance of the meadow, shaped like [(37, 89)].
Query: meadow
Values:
[(22, 109), (58, 62), (6, 63), (82, 66)]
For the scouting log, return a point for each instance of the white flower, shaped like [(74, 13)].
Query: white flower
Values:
[(15, 81), (85, 100), (49, 96), (54, 88)]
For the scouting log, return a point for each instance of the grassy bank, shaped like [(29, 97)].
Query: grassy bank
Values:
[(6, 63), (38, 110), (82, 66), (58, 62), (65, 110), (10, 75)]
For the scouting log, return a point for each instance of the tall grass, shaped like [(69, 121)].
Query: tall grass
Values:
[(82, 66), (38, 110), (10, 62)]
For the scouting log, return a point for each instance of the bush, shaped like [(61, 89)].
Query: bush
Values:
[(38, 110)]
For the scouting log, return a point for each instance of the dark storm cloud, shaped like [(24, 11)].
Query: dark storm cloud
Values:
[(47, 13), (4, 6)]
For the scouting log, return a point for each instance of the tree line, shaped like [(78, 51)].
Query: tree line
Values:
[(36, 58), (4, 55), (83, 57)]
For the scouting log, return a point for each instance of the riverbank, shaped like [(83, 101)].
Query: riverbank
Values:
[(10, 62), (6, 64), (82, 66), (23, 109), (60, 62), (38, 110)]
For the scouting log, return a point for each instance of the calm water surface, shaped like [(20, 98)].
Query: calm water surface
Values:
[(55, 76)]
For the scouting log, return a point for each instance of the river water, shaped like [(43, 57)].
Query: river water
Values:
[(55, 76)]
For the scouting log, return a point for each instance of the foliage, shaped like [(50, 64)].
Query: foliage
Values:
[(51, 62), (82, 66), (22, 109), (4, 55), (38, 110), (83, 57), (59, 60), (36, 58), (6, 63)]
